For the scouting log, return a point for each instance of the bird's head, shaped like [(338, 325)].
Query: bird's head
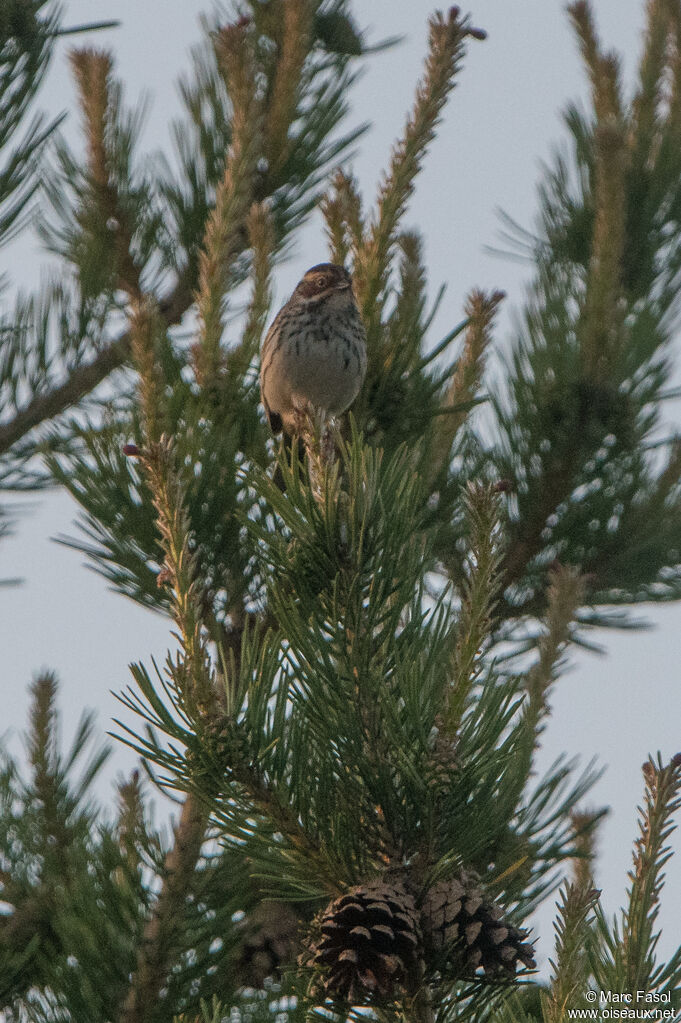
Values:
[(324, 280)]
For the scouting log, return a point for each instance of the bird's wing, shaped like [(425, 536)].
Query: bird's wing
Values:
[(273, 340)]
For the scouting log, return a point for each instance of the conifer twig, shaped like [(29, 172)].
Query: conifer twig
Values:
[(600, 331), (261, 238), (582, 18), (645, 108), (227, 221), (144, 331), (194, 672), (336, 228), (565, 594), (93, 70), (446, 50), (342, 209), (130, 820), (296, 38), (570, 969), (477, 603), (651, 853), (674, 109), (481, 310), (48, 405), (156, 947), (193, 677), (601, 324), (573, 926), (42, 752), (584, 826)]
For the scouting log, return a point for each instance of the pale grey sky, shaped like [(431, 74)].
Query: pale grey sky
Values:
[(502, 120)]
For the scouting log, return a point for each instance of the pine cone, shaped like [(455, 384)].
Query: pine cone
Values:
[(443, 761), (469, 933), (270, 942), (368, 943)]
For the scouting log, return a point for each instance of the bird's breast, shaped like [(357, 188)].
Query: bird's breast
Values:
[(325, 365)]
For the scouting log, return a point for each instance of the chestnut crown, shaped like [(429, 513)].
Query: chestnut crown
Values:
[(324, 277)]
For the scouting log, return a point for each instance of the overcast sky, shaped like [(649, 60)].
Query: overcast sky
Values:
[(503, 119)]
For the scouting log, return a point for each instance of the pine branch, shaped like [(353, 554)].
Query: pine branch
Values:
[(261, 238), (47, 838), (83, 380), (565, 595), (296, 40), (598, 327), (342, 211), (335, 226), (42, 738), (130, 825), (446, 51), (601, 326), (651, 852), (227, 221), (26, 46), (195, 687), (648, 100), (43, 755), (479, 586), (192, 675), (93, 70), (405, 333), (48, 406), (160, 939), (602, 68), (570, 965), (144, 332), (585, 826), (574, 927), (464, 386)]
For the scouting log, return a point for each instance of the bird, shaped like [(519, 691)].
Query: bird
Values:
[(314, 353)]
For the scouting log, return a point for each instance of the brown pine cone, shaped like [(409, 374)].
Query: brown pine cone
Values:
[(468, 932), (368, 943)]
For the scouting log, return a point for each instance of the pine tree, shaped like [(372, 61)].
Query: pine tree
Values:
[(366, 634)]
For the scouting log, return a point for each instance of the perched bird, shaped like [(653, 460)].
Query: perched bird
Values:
[(314, 354)]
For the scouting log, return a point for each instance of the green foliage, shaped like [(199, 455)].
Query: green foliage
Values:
[(126, 222), (60, 871), (579, 424), (335, 713), (119, 517), (203, 136), (626, 949), (27, 31), (78, 885), (354, 689), (26, 38)]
